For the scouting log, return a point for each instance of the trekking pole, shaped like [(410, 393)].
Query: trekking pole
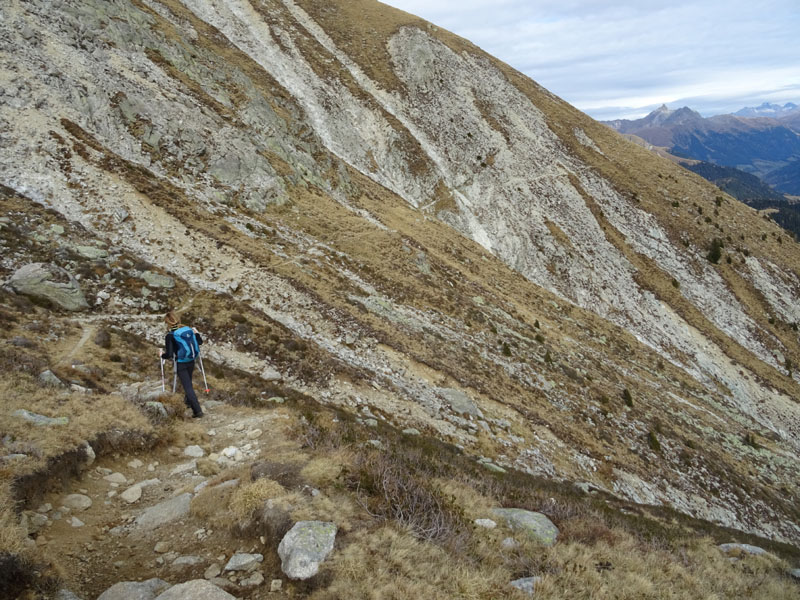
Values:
[(203, 371), (163, 387), (174, 375)]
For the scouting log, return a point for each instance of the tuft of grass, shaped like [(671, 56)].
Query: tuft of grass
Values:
[(252, 496)]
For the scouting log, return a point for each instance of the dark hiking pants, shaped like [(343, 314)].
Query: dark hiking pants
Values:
[(185, 370)]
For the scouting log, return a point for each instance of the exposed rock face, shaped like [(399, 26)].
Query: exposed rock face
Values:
[(51, 283), (304, 547)]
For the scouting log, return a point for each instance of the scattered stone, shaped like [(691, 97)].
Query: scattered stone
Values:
[(135, 590), (276, 400), (103, 471), (186, 561), (276, 585), (270, 374), (371, 422), (165, 512), (460, 402), (243, 562), (132, 494), (78, 502), (212, 571), (161, 547), (118, 478), (485, 523), (509, 543), (44, 508), (65, 594), (76, 522), (411, 431), (304, 547), (745, 548), (92, 252), (376, 444), (184, 468), (34, 522), (194, 451), (493, 467), (156, 408), (526, 584), (534, 524), (135, 464), (51, 283), (89, 455), (232, 453), (39, 420), (254, 434), (47, 377), (158, 281), (12, 457), (254, 580), (198, 589), (795, 574)]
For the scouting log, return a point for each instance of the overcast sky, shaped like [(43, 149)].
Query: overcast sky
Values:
[(623, 58)]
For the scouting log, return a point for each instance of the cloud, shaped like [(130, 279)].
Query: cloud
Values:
[(599, 55)]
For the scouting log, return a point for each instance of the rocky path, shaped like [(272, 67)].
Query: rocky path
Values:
[(130, 518)]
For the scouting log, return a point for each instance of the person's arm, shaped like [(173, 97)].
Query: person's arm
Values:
[(168, 351), (198, 337)]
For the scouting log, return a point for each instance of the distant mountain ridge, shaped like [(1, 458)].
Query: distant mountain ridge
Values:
[(766, 147), (766, 109)]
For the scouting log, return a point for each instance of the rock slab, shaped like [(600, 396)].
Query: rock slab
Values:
[(166, 512), (135, 590), (45, 281), (38, 419), (198, 589), (746, 548), (534, 524), (304, 547), (243, 562), (77, 502)]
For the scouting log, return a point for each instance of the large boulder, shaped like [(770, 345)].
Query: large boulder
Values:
[(533, 524), (460, 402), (45, 281), (198, 589), (135, 590), (304, 547)]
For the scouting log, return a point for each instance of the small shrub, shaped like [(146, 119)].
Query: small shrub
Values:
[(718, 200), (676, 204), (547, 357), (652, 441), (536, 324), (506, 349), (750, 440), (103, 339), (715, 251), (627, 398), (540, 338), (115, 357), (676, 284)]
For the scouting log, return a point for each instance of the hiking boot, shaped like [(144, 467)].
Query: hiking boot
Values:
[(198, 416)]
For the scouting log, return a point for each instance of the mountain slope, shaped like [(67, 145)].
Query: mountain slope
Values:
[(428, 225)]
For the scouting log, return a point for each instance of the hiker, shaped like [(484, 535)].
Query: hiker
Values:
[(180, 347)]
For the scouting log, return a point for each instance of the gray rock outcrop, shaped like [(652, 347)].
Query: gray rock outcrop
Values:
[(533, 524), (135, 590), (304, 547), (746, 548), (45, 281), (165, 512), (40, 420), (198, 589)]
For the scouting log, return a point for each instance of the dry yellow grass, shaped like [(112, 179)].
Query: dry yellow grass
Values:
[(323, 470), (400, 567), (252, 496)]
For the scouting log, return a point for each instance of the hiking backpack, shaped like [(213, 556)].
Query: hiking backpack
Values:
[(185, 344)]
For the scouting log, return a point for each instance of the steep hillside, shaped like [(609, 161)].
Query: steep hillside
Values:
[(407, 227)]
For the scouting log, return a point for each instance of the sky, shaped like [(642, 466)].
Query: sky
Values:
[(624, 58)]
